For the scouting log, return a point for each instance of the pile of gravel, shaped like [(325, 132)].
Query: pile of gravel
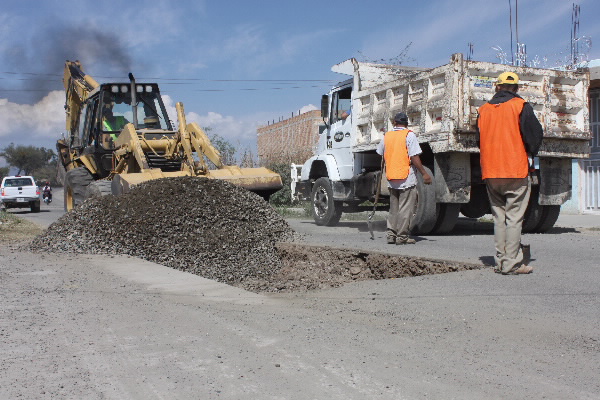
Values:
[(204, 226)]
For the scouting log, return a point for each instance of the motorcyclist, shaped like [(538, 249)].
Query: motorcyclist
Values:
[(47, 191)]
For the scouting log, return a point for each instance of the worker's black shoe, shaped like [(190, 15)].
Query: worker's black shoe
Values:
[(391, 240)]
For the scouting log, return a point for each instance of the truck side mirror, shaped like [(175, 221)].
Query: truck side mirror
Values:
[(324, 106)]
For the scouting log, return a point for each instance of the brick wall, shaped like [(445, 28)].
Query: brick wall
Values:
[(289, 141)]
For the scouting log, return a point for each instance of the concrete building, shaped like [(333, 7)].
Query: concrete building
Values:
[(590, 168), (289, 141)]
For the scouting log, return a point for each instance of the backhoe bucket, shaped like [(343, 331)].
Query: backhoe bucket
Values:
[(122, 183), (261, 181)]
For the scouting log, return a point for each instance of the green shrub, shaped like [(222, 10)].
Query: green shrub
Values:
[(284, 196)]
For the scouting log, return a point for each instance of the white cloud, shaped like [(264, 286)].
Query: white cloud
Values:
[(31, 124), (308, 108), (238, 131)]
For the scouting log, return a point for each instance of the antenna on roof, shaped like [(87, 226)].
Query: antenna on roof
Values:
[(512, 59), (575, 35)]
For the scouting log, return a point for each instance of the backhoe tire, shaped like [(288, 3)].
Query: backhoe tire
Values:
[(76, 183), (325, 211), (426, 215), (98, 189)]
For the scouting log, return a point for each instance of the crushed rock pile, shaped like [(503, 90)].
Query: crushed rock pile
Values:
[(208, 227)]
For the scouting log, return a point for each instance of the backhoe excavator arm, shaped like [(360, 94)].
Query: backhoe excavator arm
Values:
[(78, 86)]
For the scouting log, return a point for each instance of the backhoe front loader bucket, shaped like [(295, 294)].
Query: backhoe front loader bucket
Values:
[(261, 181)]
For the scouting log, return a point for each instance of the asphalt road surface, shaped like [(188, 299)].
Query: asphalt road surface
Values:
[(99, 327)]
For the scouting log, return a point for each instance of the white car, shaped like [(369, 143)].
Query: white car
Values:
[(20, 192)]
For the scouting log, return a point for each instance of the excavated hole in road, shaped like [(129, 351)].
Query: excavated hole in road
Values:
[(316, 267)]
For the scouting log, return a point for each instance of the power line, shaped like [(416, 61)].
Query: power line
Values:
[(178, 79), (193, 90)]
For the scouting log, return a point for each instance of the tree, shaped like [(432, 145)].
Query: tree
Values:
[(4, 172), (27, 159), (282, 197), (48, 173), (225, 148)]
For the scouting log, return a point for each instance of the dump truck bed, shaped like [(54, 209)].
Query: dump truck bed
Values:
[(442, 103)]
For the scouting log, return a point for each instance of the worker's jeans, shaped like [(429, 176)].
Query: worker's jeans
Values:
[(509, 198), (403, 203)]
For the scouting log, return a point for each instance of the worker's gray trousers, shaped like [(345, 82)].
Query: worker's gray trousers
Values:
[(403, 206), (509, 198)]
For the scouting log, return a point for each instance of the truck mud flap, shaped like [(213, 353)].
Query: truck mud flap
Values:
[(555, 181), (452, 172), (342, 190)]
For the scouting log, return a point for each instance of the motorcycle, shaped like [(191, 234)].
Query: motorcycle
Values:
[(47, 197)]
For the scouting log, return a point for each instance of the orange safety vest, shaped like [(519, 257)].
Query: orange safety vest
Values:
[(395, 154), (502, 151)]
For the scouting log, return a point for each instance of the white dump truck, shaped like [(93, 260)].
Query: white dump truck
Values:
[(442, 105)]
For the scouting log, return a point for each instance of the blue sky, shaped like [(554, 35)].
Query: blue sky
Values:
[(238, 64)]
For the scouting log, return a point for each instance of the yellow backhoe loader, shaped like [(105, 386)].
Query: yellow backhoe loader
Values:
[(119, 135)]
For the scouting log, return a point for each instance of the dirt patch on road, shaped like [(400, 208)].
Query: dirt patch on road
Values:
[(315, 267)]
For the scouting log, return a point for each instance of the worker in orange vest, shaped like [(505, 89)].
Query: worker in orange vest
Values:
[(510, 135), (400, 150)]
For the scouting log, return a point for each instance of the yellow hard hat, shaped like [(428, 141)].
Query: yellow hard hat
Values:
[(508, 78)]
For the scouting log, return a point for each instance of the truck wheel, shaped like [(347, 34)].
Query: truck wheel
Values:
[(326, 212), (550, 214), (425, 218), (447, 215), (76, 183), (533, 215), (35, 207), (479, 203), (98, 189)]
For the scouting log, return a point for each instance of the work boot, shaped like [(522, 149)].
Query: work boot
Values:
[(523, 269), (391, 240), (405, 241)]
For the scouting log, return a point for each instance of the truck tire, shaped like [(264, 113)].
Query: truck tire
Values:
[(533, 215), (479, 203), (325, 211), (76, 183), (550, 214), (447, 215), (425, 217), (98, 189), (35, 207)]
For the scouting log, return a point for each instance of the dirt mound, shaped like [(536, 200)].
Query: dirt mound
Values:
[(204, 226)]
